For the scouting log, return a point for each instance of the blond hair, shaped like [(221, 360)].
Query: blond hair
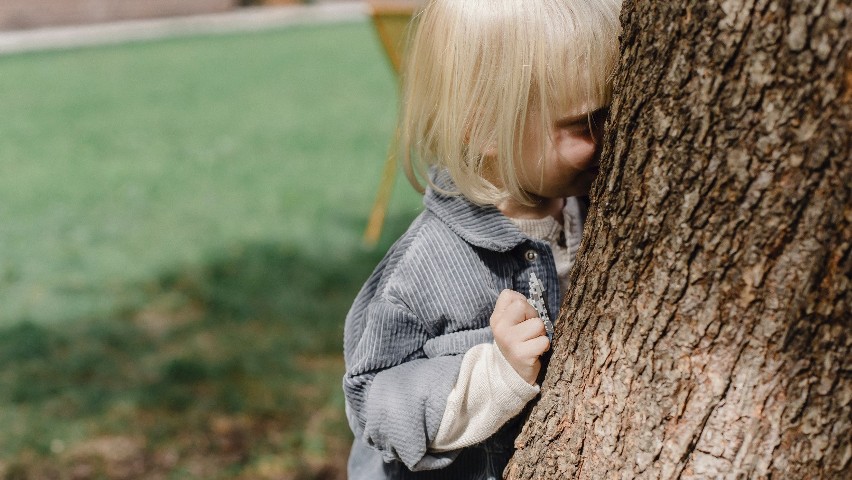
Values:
[(477, 69)]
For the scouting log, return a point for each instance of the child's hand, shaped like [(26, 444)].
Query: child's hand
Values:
[(519, 334)]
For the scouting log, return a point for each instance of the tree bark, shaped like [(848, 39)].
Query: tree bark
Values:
[(707, 330)]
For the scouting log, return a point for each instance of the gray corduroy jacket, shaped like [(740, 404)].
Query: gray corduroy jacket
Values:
[(424, 306)]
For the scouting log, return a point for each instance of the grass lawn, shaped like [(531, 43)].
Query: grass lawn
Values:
[(180, 227)]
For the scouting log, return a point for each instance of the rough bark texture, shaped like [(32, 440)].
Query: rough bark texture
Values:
[(707, 332)]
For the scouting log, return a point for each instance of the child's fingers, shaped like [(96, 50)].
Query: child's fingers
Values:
[(506, 299), (528, 351), (529, 329), (538, 345), (512, 308)]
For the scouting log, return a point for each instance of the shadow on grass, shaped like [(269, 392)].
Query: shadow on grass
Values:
[(230, 370)]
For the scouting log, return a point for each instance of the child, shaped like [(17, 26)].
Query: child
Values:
[(503, 105)]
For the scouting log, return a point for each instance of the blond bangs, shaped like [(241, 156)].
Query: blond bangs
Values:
[(476, 69)]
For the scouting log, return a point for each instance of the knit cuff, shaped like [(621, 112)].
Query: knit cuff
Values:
[(487, 394), (512, 379)]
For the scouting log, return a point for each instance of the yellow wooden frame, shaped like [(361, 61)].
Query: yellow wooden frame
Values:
[(390, 19)]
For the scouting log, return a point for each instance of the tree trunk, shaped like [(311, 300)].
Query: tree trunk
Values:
[(707, 330)]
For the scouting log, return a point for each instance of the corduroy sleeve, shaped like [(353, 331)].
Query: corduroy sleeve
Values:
[(395, 395)]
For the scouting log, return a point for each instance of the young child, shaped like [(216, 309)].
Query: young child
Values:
[(503, 105)]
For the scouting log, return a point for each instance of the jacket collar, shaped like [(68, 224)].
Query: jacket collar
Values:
[(481, 226)]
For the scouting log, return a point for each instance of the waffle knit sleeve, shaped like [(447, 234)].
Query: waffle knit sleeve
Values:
[(487, 394)]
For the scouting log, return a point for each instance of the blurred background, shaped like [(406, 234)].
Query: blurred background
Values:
[(184, 188)]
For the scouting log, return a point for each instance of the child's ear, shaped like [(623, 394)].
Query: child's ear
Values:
[(490, 146), (490, 151), (490, 168)]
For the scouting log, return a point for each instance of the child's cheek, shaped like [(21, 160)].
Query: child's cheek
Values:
[(578, 151)]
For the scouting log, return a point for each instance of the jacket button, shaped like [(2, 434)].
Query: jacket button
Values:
[(531, 255)]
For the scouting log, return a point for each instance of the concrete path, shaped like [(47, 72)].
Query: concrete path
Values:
[(240, 20)]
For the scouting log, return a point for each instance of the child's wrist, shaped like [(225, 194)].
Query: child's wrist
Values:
[(512, 376)]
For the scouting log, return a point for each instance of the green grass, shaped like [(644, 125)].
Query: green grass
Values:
[(180, 227), (118, 163)]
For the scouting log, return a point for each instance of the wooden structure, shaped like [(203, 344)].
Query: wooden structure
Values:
[(391, 19)]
